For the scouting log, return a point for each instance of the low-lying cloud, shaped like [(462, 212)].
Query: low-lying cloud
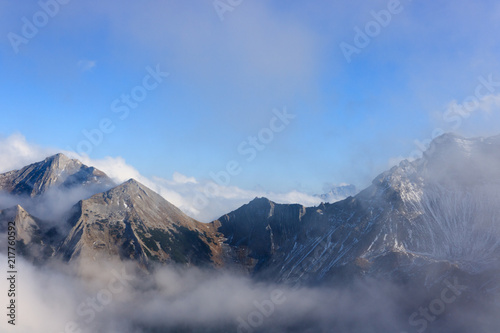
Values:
[(115, 296)]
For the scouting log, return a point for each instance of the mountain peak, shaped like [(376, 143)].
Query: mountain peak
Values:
[(259, 204), (60, 161), (261, 200), (133, 182), (132, 194), (54, 171), (462, 160), (452, 141), (26, 224), (57, 156), (132, 221), (19, 209), (132, 186)]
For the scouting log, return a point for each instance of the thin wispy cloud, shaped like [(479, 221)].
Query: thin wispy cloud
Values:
[(86, 65)]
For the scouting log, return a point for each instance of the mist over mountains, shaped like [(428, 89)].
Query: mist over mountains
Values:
[(338, 192), (418, 250)]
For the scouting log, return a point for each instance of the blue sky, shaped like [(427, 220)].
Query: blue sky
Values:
[(352, 119)]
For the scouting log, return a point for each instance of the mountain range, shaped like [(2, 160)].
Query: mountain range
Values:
[(422, 221)]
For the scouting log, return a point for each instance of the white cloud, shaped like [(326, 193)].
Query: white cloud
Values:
[(86, 65), (89, 298), (476, 115), (465, 109), (490, 103), (255, 47), (182, 179), (16, 152), (393, 161)]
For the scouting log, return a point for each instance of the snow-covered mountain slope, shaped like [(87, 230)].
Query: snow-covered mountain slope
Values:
[(441, 210)]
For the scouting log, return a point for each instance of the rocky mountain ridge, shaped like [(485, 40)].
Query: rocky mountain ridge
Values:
[(435, 214)]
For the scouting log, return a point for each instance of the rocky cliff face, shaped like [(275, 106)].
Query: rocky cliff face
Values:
[(256, 231), (132, 222)]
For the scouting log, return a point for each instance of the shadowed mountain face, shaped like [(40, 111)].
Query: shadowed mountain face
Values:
[(257, 230)]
